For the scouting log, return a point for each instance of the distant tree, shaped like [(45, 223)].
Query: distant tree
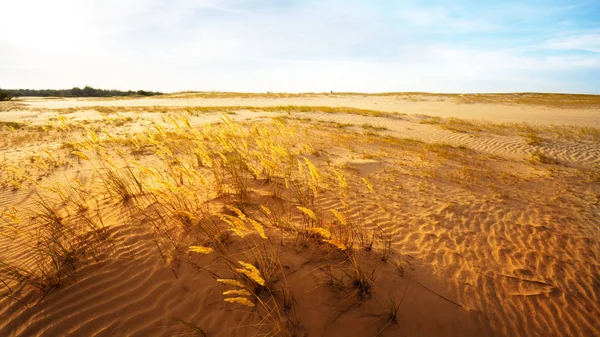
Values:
[(76, 92), (5, 95), (87, 91), (145, 93)]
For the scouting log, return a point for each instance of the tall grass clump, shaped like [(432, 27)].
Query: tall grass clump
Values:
[(235, 192)]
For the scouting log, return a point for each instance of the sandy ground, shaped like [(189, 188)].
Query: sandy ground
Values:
[(504, 111), (479, 228)]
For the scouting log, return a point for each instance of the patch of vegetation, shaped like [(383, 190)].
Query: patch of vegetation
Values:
[(227, 94), (5, 95), (322, 109), (199, 196), (539, 99), (532, 138), (12, 125), (549, 100), (87, 91), (197, 110), (368, 126), (431, 120), (539, 157), (533, 134)]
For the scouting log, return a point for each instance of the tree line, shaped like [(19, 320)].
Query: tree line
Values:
[(87, 91), (5, 95)]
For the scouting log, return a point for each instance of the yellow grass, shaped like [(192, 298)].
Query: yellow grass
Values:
[(240, 300), (200, 249)]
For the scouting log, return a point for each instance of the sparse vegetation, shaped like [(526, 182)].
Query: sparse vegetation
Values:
[(535, 99), (173, 195), (199, 110), (533, 134), (539, 157)]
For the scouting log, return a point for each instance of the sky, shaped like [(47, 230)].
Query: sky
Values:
[(302, 46)]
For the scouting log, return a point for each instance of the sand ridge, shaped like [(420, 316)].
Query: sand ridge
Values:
[(500, 109)]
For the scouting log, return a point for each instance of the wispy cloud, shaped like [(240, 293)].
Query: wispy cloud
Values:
[(268, 45), (439, 19), (585, 42)]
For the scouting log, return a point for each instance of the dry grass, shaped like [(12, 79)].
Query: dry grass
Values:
[(548, 100), (199, 110), (224, 94), (9, 106), (536, 99), (539, 157), (539, 99), (533, 134), (191, 168), (64, 227)]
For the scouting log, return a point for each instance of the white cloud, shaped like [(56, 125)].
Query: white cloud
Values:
[(423, 17), (443, 19), (587, 42)]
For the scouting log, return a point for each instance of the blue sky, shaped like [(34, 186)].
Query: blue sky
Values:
[(268, 45)]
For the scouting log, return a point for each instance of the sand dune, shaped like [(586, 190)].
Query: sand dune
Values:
[(500, 109), (476, 228)]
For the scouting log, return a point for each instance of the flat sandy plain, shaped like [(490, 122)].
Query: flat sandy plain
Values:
[(226, 214)]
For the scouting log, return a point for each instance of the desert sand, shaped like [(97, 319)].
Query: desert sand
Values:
[(224, 214)]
